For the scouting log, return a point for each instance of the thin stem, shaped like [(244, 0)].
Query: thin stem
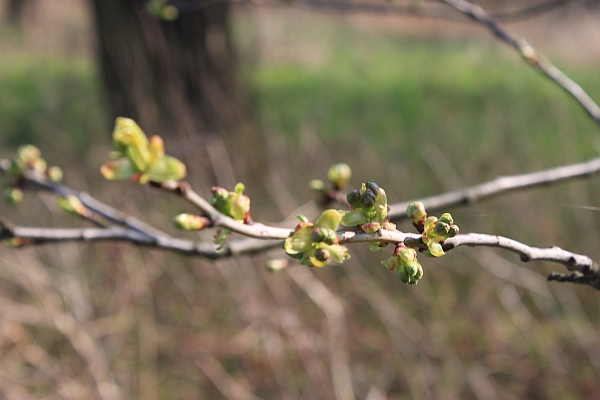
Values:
[(498, 186)]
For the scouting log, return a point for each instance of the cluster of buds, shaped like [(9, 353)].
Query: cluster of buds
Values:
[(368, 209), (316, 244), (233, 204), (139, 159), (433, 230), (28, 161), (404, 261)]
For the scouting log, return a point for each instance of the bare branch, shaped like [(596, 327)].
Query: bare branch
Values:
[(422, 8), (501, 185), (262, 237), (530, 54)]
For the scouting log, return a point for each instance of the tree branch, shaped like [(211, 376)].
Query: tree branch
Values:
[(530, 54), (498, 186)]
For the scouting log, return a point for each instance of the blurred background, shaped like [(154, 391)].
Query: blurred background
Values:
[(272, 96)]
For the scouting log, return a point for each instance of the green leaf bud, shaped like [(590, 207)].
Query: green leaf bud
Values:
[(302, 218), (240, 207), (447, 219), (55, 174), (441, 228), (131, 141), (119, 169), (388, 226), (277, 264), (370, 227), (219, 199), (164, 169), (71, 204), (368, 199), (453, 231), (391, 263), (339, 175), (239, 188), (416, 212), (325, 235), (381, 207), (329, 219), (156, 147), (13, 195), (28, 153), (429, 225), (353, 198), (317, 186), (190, 222), (169, 13), (38, 165)]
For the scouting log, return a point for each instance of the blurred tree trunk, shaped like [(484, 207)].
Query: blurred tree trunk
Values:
[(178, 79), (15, 9)]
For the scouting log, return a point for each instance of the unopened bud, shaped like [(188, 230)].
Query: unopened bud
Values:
[(277, 264), (453, 231), (416, 212), (317, 186), (372, 186), (446, 218), (371, 227), (323, 235), (13, 195), (367, 199), (38, 165), (55, 174), (322, 255), (339, 174), (353, 198), (28, 152), (190, 222), (71, 204), (441, 228)]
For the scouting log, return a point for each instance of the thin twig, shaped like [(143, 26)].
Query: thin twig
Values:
[(421, 8), (261, 237), (501, 185), (530, 54)]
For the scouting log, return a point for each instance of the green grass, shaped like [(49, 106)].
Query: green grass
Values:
[(402, 95), (52, 101)]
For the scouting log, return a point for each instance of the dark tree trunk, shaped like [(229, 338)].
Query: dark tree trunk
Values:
[(176, 78), (15, 10)]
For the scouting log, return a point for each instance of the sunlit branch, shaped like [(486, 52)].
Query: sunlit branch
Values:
[(585, 270), (501, 185)]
